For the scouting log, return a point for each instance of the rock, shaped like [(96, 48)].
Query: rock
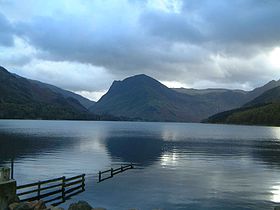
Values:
[(13, 206), (277, 208), (17, 200), (81, 205), (39, 205), (7, 193), (55, 208), (98, 208), (21, 206)]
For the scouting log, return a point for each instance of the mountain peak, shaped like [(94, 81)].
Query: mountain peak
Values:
[(137, 81), (140, 77)]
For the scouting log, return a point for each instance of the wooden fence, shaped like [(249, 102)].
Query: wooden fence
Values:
[(53, 191), (113, 172)]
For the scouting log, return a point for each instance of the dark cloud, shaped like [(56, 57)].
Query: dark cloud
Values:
[(172, 26), (228, 26), (189, 41), (121, 51), (220, 25), (118, 50), (243, 21)]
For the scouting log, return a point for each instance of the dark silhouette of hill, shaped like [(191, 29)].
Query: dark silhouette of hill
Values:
[(65, 93), (144, 98), (22, 99)]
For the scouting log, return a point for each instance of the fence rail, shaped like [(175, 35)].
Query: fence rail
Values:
[(51, 190), (113, 172)]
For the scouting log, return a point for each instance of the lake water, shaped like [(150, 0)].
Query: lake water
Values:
[(179, 165)]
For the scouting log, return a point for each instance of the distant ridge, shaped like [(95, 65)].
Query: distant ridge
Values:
[(249, 95), (192, 91), (263, 110), (269, 96), (66, 94)]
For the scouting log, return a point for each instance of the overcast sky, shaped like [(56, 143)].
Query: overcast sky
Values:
[(83, 45)]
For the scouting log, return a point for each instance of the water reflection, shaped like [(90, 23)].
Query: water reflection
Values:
[(275, 132), (275, 197), (18, 146), (139, 150), (184, 166), (268, 152), (169, 159)]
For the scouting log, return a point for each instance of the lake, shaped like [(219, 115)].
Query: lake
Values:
[(179, 165)]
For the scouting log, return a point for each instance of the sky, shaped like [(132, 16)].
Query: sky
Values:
[(83, 45)]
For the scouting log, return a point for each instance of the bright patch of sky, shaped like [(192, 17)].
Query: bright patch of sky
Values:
[(170, 6)]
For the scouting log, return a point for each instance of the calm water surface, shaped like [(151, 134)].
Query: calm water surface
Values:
[(179, 165)]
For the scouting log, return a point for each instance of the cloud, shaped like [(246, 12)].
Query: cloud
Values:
[(6, 33), (172, 27), (19, 54), (222, 26), (88, 38), (92, 95), (90, 43), (242, 21), (69, 75)]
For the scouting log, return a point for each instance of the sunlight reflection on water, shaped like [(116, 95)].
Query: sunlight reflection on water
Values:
[(275, 194)]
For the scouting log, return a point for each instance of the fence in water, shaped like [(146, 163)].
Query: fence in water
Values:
[(53, 191), (111, 172)]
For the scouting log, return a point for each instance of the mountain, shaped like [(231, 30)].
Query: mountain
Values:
[(269, 96), (138, 97), (21, 98), (143, 98), (192, 91), (219, 99), (260, 90), (229, 99), (263, 110), (65, 93)]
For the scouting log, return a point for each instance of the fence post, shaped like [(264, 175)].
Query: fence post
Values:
[(12, 168), (63, 189), (83, 182), (112, 172), (39, 191), (99, 176), (121, 168)]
